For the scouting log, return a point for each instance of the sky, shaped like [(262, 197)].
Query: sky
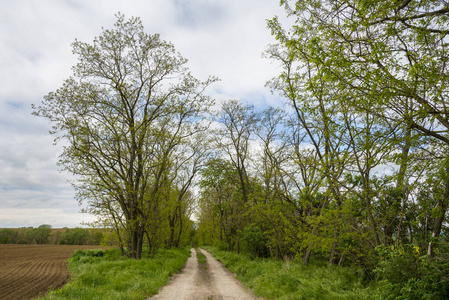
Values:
[(224, 38)]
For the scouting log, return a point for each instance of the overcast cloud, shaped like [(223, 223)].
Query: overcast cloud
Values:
[(224, 38)]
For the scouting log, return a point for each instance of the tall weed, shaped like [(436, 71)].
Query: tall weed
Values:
[(273, 279), (106, 274)]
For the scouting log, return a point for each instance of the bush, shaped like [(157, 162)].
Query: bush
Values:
[(255, 242), (39, 235), (76, 236), (403, 274), (7, 236), (223, 246)]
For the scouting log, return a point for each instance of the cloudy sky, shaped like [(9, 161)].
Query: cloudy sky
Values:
[(224, 38)]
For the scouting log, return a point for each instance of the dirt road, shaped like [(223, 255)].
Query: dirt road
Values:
[(199, 281)]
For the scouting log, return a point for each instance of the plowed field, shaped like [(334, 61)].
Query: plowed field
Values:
[(27, 271)]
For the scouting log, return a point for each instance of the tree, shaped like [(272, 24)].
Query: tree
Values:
[(272, 207), (392, 51), (186, 164), (239, 123), (388, 61), (76, 236), (40, 234), (122, 113), (221, 205), (8, 236)]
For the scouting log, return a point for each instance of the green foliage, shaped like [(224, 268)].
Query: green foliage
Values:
[(222, 208), (223, 246), (39, 235), (365, 80), (404, 274), (256, 242), (200, 257), (398, 264), (288, 279), (106, 274), (76, 236), (7, 236)]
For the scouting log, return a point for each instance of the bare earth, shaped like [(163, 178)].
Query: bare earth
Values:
[(27, 271), (203, 281)]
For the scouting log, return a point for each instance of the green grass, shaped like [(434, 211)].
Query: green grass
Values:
[(200, 257), (273, 279), (98, 274)]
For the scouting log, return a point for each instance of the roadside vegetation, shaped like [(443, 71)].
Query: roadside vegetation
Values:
[(403, 275), (106, 274), (290, 279)]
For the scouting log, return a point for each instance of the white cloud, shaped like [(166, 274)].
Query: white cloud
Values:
[(57, 217)]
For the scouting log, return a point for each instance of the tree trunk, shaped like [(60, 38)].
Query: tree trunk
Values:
[(172, 230), (136, 240), (426, 228), (443, 204), (149, 243), (133, 245), (401, 185), (120, 241), (333, 258), (342, 260), (372, 220), (139, 244), (178, 240), (306, 257)]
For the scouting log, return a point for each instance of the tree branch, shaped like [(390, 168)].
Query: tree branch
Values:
[(428, 14), (430, 133)]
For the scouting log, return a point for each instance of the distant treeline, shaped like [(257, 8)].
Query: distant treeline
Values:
[(45, 234)]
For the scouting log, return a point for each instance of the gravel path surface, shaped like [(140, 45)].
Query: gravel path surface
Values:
[(203, 281)]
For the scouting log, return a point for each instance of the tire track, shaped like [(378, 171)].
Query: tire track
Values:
[(199, 281)]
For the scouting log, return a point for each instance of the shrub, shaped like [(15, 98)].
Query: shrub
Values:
[(255, 241), (39, 235), (223, 246), (403, 274), (7, 236), (76, 236)]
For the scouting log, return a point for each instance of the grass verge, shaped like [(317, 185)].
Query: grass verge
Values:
[(273, 279), (105, 274)]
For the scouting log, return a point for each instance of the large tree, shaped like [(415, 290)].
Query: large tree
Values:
[(123, 113), (389, 59)]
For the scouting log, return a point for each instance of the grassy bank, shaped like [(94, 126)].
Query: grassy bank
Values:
[(273, 279), (105, 274)]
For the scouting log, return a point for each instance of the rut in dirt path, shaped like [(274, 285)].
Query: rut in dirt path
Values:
[(203, 281)]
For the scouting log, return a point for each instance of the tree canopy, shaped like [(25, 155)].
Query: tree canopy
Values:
[(128, 109)]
